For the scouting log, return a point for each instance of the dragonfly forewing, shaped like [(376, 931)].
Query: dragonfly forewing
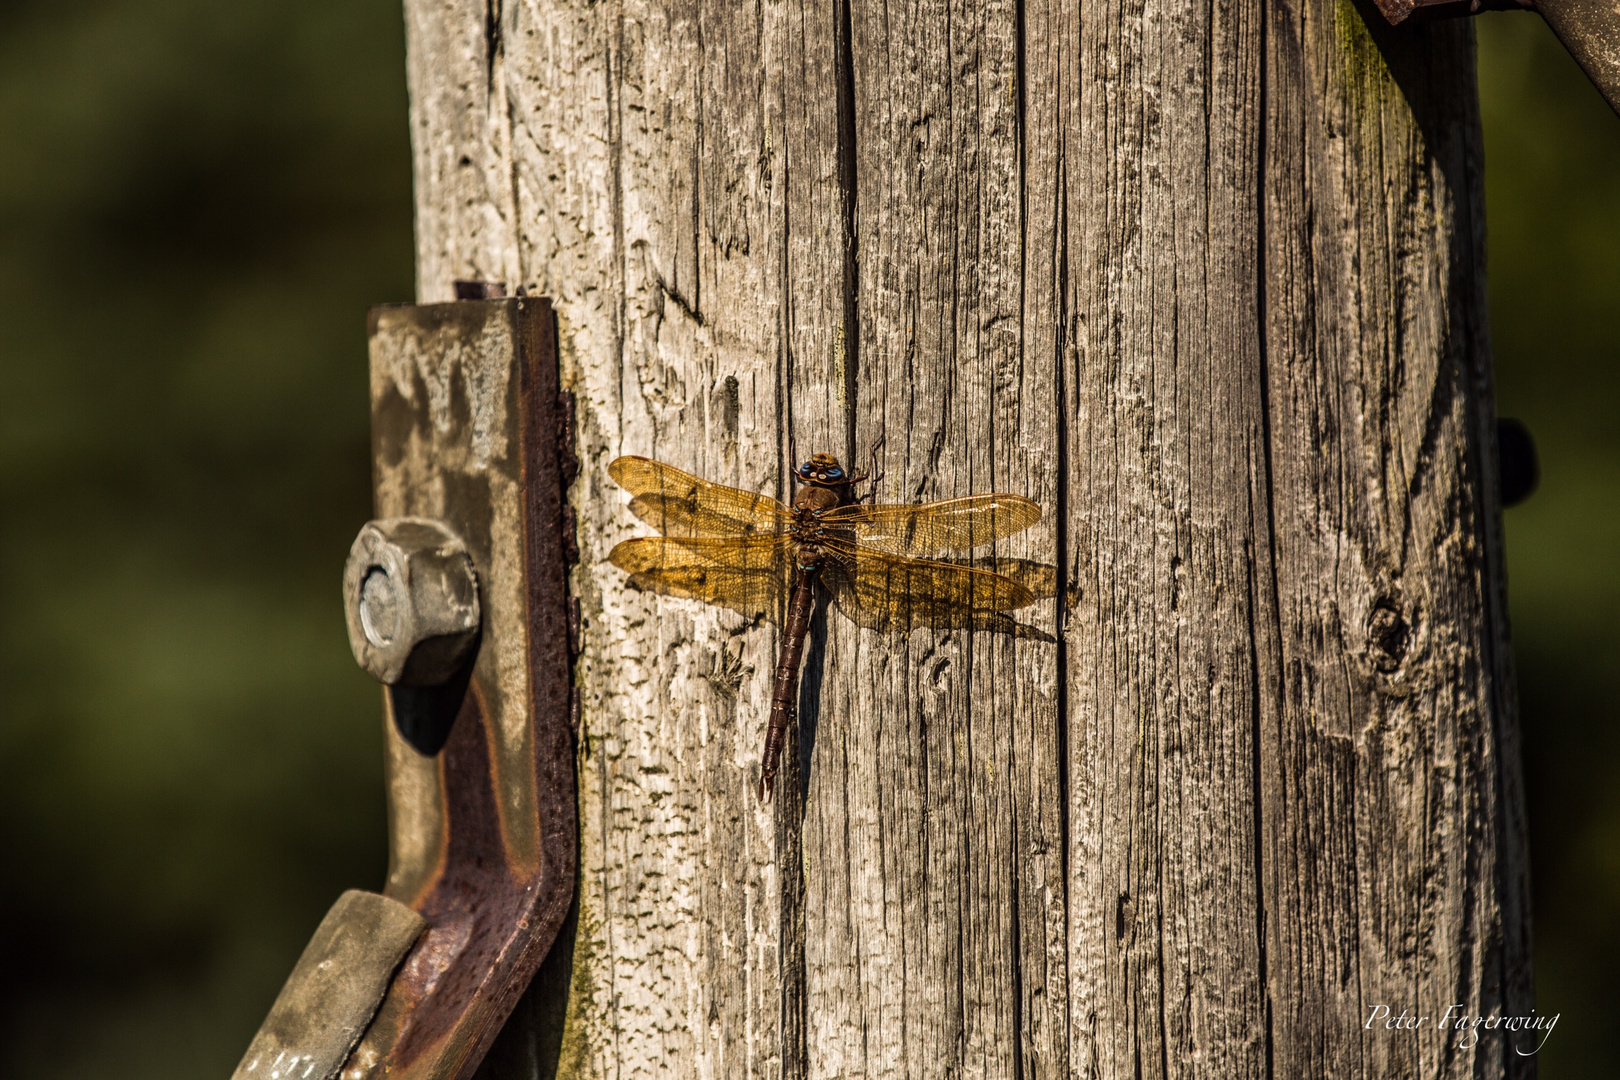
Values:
[(678, 503), (678, 515), (932, 528)]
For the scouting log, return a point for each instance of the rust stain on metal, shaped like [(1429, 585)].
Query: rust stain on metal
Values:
[(469, 427)]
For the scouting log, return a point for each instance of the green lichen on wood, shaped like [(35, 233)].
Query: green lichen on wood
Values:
[(1365, 76), (578, 1021)]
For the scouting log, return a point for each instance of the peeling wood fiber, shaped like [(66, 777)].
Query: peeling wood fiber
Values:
[(1202, 279)]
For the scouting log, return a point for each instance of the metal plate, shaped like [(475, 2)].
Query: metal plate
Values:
[(334, 990), (483, 835)]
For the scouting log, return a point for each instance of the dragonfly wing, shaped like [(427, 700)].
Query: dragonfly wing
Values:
[(751, 574), (893, 592), (681, 516), (1038, 577), (676, 503), (924, 529)]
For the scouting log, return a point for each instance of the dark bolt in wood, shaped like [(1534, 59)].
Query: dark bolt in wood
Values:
[(1518, 470), (479, 290)]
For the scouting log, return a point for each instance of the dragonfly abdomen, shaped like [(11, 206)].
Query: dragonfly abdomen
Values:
[(785, 690)]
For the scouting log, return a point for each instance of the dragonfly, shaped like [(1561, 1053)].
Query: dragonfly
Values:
[(759, 556)]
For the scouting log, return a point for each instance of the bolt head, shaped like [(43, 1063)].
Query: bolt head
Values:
[(411, 596)]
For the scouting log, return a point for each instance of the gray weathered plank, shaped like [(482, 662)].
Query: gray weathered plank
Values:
[(1164, 457), (1202, 280), (1389, 763), (917, 788)]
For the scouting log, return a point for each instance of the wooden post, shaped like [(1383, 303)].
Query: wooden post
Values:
[(1205, 280)]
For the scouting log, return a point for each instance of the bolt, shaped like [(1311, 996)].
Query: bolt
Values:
[(411, 597)]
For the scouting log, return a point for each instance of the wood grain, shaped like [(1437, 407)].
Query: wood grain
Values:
[(1203, 281), (1393, 824), (919, 792), (1166, 454)]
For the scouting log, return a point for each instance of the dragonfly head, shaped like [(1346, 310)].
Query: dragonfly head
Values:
[(823, 469)]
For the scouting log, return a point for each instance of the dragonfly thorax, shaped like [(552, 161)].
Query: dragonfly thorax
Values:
[(813, 500), (808, 528)]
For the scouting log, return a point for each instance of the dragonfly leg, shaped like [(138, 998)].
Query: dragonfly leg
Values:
[(874, 471)]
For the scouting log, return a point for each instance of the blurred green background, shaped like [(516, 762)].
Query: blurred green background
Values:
[(198, 201), (1552, 184)]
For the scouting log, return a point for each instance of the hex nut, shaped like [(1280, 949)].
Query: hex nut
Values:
[(411, 597)]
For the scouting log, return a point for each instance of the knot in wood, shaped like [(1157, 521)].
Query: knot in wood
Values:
[(1388, 633)]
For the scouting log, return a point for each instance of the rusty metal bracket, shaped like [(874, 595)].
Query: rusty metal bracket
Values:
[(1589, 29), (483, 836), (458, 599)]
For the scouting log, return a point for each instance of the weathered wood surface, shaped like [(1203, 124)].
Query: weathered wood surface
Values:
[(1202, 280)]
